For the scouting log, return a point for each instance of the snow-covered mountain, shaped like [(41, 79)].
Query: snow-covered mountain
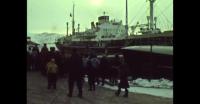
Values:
[(48, 38), (45, 37)]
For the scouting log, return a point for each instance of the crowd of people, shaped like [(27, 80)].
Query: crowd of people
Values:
[(54, 65)]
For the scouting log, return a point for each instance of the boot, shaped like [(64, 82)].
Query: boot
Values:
[(69, 95), (48, 86), (90, 89), (102, 84), (80, 95), (117, 93), (54, 86), (94, 88), (126, 93)]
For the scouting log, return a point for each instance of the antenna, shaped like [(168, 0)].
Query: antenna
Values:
[(126, 26), (67, 29), (78, 27), (104, 13)]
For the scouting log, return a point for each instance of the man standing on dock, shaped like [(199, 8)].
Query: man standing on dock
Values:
[(44, 58), (75, 73)]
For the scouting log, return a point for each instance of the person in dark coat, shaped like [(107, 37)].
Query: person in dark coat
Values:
[(52, 53), (59, 60), (29, 58), (75, 73), (36, 49), (123, 80), (34, 58), (44, 58), (92, 64), (104, 66), (66, 63), (85, 59), (115, 69), (44, 49)]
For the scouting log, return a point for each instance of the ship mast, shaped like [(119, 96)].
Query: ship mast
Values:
[(78, 27), (151, 14), (126, 26), (73, 30)]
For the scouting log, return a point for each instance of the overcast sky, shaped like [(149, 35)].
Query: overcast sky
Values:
[(52, 15)]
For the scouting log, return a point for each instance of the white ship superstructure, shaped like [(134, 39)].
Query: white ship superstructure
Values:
[(104, 29), (110, 30)]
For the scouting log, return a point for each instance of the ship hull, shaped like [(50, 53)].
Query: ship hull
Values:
[(113, 46), (149, 62)]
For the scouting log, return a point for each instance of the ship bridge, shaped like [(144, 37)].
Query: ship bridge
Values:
[(103, 19)]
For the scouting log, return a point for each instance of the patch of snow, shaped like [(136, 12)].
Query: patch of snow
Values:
[(154, 83), (142, 82), (167, 93), (161, 92), (49, 38)]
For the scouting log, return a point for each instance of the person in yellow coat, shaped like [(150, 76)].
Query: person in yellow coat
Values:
[(52, 70)]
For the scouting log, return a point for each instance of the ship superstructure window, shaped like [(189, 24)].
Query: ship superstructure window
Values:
[(108, 36)]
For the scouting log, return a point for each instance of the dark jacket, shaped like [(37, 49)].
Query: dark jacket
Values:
[(104, 66), (124, 70), (75, 66), (44, 50)]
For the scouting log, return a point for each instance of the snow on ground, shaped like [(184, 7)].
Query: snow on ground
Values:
[(160, 87), (168, 93), (155, 83)]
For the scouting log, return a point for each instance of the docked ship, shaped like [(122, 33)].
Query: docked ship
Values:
[(109, 36)]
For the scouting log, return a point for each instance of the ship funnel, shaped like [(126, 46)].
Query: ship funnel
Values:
[(78, 27), (148, 23), (103, 19), (67, 29), (92, 25), (155, 19), (97, 24)]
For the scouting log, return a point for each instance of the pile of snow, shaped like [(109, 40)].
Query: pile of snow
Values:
[(166, 83), (167, 93), (142, 82), (154, 83)]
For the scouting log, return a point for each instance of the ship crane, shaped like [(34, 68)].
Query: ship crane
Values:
[(141, 26), (150, 26)]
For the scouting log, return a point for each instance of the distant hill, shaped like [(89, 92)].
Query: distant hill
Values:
[(45, 37), (41, 38)]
